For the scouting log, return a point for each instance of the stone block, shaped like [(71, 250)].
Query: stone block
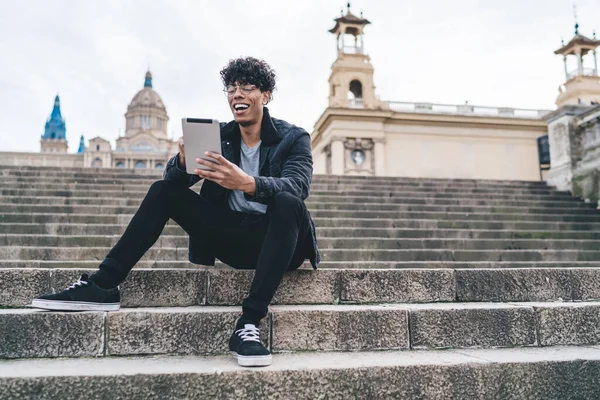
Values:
[(586, 283), (528, 284), (568, 324), (471, 325), (191, 330), (164, 288), (28, 333), (347, 328), (18, 286), (397, 286), (303, 286)]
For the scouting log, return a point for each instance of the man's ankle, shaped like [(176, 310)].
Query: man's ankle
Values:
[(102, 281), (244, 320)]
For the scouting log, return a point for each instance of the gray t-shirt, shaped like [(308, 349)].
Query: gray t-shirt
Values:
[(249, 163)]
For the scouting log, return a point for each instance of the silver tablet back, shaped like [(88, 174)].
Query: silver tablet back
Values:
[(199, 136)]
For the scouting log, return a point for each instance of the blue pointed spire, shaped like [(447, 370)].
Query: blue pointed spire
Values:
[(148, 80), (81, 148), (55, 127)]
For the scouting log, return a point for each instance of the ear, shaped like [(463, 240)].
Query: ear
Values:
[(266, 97)]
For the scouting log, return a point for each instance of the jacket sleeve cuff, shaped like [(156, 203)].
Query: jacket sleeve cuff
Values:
[(257, 193), (177, 164)]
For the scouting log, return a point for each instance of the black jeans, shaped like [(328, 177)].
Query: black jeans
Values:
[(271, 243)]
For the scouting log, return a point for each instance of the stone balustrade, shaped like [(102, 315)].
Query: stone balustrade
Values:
[(465, 109)]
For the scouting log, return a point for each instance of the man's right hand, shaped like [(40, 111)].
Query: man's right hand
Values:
[(181, 153)]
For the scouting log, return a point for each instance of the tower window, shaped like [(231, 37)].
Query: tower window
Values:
[(97, 147), (140, 164), (355, 91)]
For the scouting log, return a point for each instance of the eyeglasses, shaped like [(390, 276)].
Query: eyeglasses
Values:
[(245, 89)]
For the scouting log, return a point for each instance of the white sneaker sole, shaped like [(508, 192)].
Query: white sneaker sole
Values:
[(59, 305), (253, 361)]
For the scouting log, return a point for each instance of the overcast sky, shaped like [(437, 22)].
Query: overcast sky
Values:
[(95, 55)]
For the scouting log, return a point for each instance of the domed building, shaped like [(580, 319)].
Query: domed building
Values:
[(145, 143)]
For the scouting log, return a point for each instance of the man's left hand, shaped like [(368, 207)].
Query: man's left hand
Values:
[(226, 174)]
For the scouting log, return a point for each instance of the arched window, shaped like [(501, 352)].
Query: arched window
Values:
[(159, 166), (140, 164), (355, 90), (97, 163), (120, 164), (355, 95)]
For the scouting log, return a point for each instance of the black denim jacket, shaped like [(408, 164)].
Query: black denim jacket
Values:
[(285, 165)]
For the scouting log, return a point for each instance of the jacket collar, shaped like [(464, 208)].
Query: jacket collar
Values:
[(268, 133)]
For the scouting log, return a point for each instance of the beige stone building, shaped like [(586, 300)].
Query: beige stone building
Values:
[(144, 145), (358, 134)]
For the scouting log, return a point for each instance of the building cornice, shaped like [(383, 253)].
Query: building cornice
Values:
[(431, 119)]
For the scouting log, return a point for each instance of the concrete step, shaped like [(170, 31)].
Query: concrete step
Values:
[(205, 330), (328, 254), (316, 185), (182, 264), (51, 185), (12, 239), (181, 287), (73, 206), (319, 201), (326, 179), (330, 222), (41, 229), (107, 214), (554, 373), (420, 197)]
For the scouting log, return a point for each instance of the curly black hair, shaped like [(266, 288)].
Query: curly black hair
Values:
[(249, 70)]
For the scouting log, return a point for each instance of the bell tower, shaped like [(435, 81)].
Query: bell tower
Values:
[(582, 85), (351, 80)]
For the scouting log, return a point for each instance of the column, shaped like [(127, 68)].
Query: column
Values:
[(595, 63), (566, 71), (337, 156), (379, 155), (579, 62)]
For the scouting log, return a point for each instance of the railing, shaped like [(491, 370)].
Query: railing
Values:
[(356, 103), (586, 72), (466, 109)]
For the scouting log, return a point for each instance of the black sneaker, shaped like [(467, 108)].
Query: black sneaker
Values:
[(246, 347), (83, 295)]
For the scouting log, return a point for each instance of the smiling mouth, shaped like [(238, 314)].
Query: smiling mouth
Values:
[(240, 108)]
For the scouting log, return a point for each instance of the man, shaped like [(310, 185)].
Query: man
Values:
[(250, 212)]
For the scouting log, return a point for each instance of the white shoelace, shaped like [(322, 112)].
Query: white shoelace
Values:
[(77, 284), (250, 333)]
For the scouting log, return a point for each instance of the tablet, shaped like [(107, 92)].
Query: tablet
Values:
[(199, 136)]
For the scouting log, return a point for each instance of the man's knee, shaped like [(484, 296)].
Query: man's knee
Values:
[(163, 190), (285, 203), (162, 186)]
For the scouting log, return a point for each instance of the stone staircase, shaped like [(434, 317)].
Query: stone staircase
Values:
[(428, 289)]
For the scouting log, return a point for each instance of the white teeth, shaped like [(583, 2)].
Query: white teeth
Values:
[(240, 106)]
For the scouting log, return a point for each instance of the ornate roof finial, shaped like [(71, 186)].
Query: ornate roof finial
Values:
[(594, 34), (562, 41), (348, 6), (576, 23), (361, 13), (342, 11)]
